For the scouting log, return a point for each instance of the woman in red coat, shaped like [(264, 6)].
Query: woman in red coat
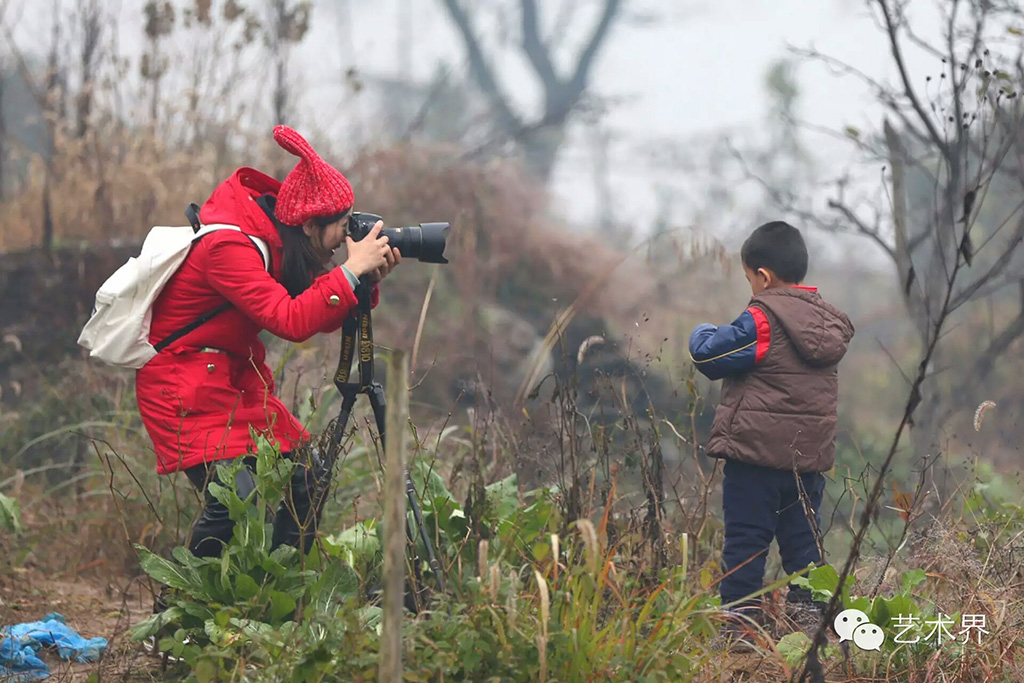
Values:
[(200, 395)]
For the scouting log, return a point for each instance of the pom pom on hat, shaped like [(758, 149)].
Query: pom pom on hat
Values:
[(313, 188)]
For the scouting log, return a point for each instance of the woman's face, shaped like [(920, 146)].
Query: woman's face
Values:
[(327, 239)]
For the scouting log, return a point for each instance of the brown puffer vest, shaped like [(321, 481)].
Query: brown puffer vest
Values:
[(782, 414)]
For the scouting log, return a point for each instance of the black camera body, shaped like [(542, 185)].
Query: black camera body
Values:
[(425, 242)]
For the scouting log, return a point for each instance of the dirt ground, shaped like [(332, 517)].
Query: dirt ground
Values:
[(95, 606), (100, 598), (106, 606), (98, 604)]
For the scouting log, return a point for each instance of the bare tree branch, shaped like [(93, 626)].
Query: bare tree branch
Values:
[(481, 70), (586, 59), (535, 50), (565, 11), (540, 139), (996, 286), (92, 31), (862, 227), (902, 254), (997, 268), (881, 91), (921, 42), (908, 88), (23, 69), (958, 106)]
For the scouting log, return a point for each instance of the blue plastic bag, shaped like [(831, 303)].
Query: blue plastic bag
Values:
[(18, 663), (20, 645)]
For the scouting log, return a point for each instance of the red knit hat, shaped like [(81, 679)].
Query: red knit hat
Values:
[(313, 188)]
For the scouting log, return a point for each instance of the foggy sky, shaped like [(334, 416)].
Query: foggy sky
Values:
[(698, 69)]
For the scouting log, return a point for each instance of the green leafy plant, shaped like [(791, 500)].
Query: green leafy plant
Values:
[(523, 604), (250, 588), (907, 620), (10, 514)]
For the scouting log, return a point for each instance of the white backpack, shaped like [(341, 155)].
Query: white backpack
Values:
[(118, 330)]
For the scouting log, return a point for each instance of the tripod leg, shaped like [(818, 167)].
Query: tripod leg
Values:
[(323, 467), (435, 566), (348, 401), (378, 403)]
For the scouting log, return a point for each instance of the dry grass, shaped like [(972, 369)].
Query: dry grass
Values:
[(103, 597), (76, 558), (113, 187), (513, 270)]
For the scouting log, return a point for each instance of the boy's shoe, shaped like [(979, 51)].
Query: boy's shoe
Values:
[(734, 639), (806, 616), (739, 632), (150, 646)]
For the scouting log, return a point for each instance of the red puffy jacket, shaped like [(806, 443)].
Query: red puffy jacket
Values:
[(199, 396)]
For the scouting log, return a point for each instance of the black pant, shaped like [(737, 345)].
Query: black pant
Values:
[(297, 517), (760, 504)]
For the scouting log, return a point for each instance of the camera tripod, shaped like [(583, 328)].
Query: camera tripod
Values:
[(357, 328)]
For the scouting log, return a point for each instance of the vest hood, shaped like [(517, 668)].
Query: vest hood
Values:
[(820, 332)]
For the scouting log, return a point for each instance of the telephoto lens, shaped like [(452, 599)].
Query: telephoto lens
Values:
[(425, 242)]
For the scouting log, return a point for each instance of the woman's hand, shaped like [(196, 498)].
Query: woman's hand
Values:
[(394, 257), (369, 254)]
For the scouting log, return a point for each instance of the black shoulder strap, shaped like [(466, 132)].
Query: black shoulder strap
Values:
[(178, 334), (205, 317), (192, 214)]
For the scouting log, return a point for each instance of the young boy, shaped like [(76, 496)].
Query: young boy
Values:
[(775, 425)]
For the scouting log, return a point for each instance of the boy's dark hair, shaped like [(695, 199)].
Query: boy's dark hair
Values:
[(780, 248)]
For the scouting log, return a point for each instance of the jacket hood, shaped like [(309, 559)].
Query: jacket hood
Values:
[(234, 202), (819, 331)]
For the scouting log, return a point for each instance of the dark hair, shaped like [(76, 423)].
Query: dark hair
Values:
[(300, 264), (780, 248)]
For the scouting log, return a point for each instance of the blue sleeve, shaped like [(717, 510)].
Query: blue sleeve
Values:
[(350, 276), (719, 351)]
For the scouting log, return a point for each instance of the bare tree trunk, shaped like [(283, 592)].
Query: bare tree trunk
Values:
[(540, 151), (3, 130), (154, 96), (288, 25), (279, 19), (915, 294), (280, 91), (53, 110), (540, 141), (159, 23), (47, 211), (91, 32)]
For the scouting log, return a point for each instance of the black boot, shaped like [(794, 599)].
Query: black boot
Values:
[(298, 516), (160, 601)]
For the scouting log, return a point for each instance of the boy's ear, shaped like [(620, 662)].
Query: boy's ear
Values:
[(769, 276)]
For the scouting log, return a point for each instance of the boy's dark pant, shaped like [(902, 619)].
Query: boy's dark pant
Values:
[(761, 503), (214, 527)]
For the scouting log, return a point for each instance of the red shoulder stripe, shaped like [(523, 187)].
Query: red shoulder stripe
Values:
[(764, 333)]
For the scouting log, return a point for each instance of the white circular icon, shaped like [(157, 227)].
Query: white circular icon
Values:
[(848, 620), (868, 637)]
